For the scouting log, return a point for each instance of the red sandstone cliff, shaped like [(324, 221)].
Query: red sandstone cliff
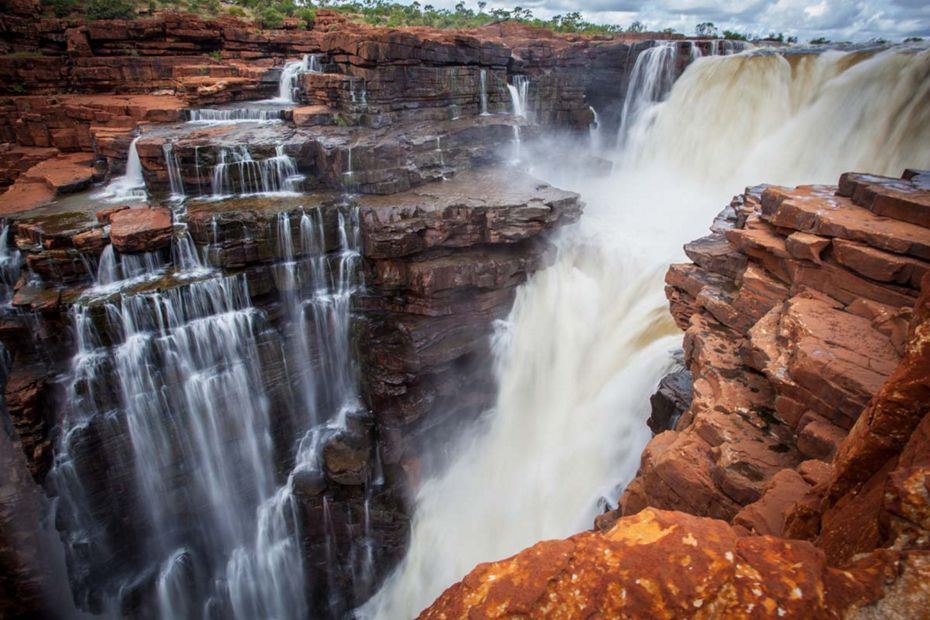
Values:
[(807, 333)]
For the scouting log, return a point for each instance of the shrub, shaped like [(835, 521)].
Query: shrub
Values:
[(111, 9), (307, 15), (235, 11), (204, 7), (63, 8), (271, 18)]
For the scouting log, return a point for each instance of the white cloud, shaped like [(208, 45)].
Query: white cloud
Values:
[(852, 20)]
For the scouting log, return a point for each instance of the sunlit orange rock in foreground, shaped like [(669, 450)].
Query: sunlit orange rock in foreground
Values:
[(663, 564)]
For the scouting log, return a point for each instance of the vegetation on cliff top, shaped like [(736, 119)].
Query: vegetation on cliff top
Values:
[(272, 13)]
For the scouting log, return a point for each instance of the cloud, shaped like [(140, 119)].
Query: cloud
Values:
[(850, 20)]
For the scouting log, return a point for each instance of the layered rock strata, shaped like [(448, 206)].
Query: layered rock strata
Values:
[(440, 263), (806, 324), (443, 263), (795, 313)]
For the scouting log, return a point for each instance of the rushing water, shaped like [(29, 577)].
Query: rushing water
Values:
[(130, 186), (172, 383), (519, 91), (483, 92), (210, 116), (10, 264), (287, 83), (235, 172), (588, 338), (653, 75)]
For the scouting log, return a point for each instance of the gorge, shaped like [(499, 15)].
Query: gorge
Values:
[(311, 322)]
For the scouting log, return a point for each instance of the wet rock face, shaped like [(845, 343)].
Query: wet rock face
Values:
[(671, 399), (442, 263), (384, 161)]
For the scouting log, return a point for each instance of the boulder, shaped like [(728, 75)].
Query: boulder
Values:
[(659, 564), (141, 230)]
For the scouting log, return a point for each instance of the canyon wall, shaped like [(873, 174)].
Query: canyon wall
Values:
[(291, 307), (788, 472)]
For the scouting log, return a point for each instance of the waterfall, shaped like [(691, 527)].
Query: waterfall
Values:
[(594, 130), (234, 115), (236, 173), (358, 97), (483, 93), (588, 338), (170, 382), (130, 186), (442, 158), (287, 83), (518, 95), (10, 264), (174, 171), (266, 579), (653, 74)]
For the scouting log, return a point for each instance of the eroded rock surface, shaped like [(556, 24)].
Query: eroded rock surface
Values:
[(806, 438), (659, 564)]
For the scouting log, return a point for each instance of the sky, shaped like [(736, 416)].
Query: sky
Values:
[(837, 20)]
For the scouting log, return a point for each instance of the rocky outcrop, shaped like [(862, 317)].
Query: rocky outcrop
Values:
[(809, 431), (140, 230), (795, 313), (659, 564), (442, 263)]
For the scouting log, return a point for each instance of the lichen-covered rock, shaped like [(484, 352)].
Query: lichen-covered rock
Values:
[(659, 564)]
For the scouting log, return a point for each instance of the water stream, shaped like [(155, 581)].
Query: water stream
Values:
[(171, 382), (588, 338)]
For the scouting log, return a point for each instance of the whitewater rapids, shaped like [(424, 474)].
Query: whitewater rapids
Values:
[(588, 338)]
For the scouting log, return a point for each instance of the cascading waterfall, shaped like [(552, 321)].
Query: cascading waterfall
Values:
[(122, 269), (483, 93), (266, 579), (594, 130), (234, 115), (287, 84), (654, 72), (10, 264), (588, 338), (518, 95), (130, 186), (175, 180), (171, 382), (237, 173)]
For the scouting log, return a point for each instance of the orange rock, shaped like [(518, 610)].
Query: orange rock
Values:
[(141, 230), (660, 564)]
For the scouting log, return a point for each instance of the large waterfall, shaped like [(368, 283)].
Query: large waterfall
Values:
[(588, 338), (172, 387)]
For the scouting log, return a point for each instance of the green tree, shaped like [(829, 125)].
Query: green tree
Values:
[(636, 26), (271, 17), (732, 35), (706, 29), (110, 9)]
